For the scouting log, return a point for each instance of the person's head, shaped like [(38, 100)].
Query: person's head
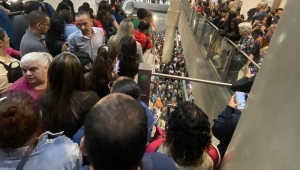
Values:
[(229, 16), (223, 12), (263, 51), (142, 13), (279, 12), (19, 119), (30, 6), (267, 20), (262, 6), (206, 5), (240, 4), (39, 21), (188, 134), (83, 8), (4, 40), (127, 86), (235, 25), (103, 65), (84, 22), (149, 17), (212, 6), (66, 16), (268, 9), (62, 6), (116, 124), (86, 4), (270, 32), (57, 28), (245, 28), (273, 13), (118, 8), (143, 27), (103, 13), (35, 67)]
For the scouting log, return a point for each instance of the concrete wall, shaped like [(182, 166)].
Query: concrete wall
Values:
[(212, 99)]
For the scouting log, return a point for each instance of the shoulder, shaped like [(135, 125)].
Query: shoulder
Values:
[(158, 161), (98, 30), (19, 84), (138, 44), (74, 35)]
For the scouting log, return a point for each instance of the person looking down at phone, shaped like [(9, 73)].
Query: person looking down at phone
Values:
[(224, 126), (260, 29)]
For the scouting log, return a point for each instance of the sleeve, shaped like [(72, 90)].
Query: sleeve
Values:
[(254, 48), (225, 124), (113, 18), (234, 37), (259, 16), (71, 44), (13, 53), (140, 52), (149, 44), (4, 84), (243, 85), (51, 10)]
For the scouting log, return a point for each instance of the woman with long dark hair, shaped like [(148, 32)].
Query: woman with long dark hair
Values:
[(107, 20), (129, 60), (260, 29), (66, 102), (235, 33), (54, 36), (225, 23), (102, 73)]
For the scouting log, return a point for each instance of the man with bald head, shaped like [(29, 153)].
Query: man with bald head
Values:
[(261, 13), (115, 137)]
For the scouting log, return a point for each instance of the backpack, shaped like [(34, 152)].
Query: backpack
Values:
[(13, 74), (85, 60)]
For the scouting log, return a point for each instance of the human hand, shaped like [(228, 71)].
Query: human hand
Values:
[(223, 19), (232, 103), (249, 74)]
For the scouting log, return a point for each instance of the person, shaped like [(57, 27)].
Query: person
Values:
[(141, 14), (66, 102), (105, 135), (20, 22), (71, 5), (225, 23), (261, 13), (34, 67), (126, 29), (117, 14), (259, 29), (235, 34), (200, 7), (68, 19), (47, 8), (224, 126), (251, 13), (7, 63), (16, 6), (39, 24), (54, 36), (128, 86), (247, 40), (129, 59), (63, 6), (261, 43), (277, 16), (150, 20), (268, 10), (102, 72), (244, 84), (19, 133), (239, 8), (6, 24), (141, 35), (107, 20), (226, 4), (221, 14), (88, 39), (187, 137), (5, 4)]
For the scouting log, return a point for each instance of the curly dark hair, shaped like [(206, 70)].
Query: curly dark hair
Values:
[(19, 119), (188, 133), (56, 30)]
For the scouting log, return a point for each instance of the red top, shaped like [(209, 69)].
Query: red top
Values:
[(142, 38), (96, 23)]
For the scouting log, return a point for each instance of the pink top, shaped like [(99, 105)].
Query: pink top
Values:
[(23, 85), (13, 53)]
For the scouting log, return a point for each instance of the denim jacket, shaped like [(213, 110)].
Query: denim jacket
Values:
[(53, 151)]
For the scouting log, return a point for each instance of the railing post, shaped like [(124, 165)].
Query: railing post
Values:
[(192, 17), (197, 23)]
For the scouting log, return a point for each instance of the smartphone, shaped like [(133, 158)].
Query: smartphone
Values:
[(254, 70), (240, 98), (259, 24), (116, 69), (89, 65)]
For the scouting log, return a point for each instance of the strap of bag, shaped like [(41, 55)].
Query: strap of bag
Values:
[(27, 155), (6, 66), (147, 42)]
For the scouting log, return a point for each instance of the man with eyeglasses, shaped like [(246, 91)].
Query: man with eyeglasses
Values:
[(39, 24), (87, 39)]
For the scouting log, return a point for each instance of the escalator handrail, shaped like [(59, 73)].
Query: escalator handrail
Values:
[(15, 13)]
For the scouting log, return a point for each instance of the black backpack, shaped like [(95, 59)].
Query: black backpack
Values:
[(85, 60), (13, 74)]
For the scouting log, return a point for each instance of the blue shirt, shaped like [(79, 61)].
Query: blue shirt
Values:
[(119, 17), (259, 16), (49, 12), (6, 24), (70, 28), (150, 119), (77, 42)]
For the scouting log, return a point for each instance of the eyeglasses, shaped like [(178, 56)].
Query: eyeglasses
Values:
[(48, 25)]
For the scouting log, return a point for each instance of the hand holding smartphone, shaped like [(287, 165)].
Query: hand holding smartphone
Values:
[(240, 98)]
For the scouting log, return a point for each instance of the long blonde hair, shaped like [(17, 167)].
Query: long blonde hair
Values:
[(149, 18), (125, 29)]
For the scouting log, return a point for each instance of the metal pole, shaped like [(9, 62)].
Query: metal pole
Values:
[(192, 79)]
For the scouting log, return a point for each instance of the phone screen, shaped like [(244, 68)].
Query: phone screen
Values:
[(117, 67), (254, 70), (240, 98)]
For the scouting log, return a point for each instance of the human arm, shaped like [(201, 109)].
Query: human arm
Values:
[(64, 47), (244, 84), (114, 22), (5, 10), (4, 84), (12, 52), (71, 44)]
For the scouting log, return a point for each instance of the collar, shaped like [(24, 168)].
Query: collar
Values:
[(33, 35), (81, 35)]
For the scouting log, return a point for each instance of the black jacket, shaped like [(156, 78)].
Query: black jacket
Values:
[(243, 85)]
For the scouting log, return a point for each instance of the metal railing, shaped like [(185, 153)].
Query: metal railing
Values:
[(226, 58)]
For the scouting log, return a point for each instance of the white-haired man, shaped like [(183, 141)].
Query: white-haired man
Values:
[(34, 67)]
